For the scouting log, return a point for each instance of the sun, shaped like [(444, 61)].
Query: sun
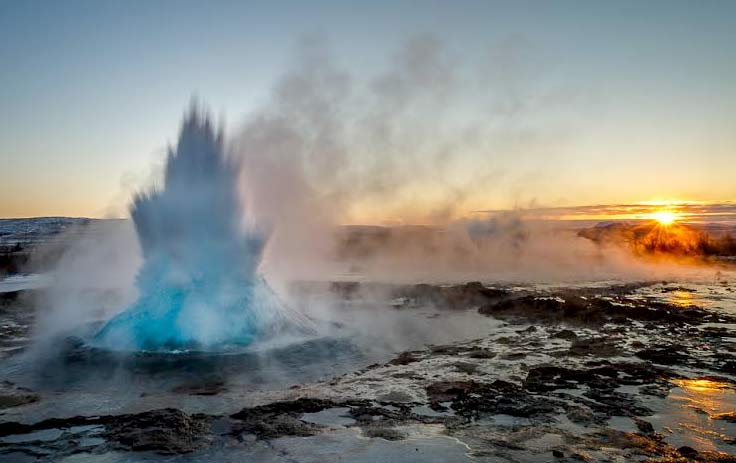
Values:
[(664, 217)]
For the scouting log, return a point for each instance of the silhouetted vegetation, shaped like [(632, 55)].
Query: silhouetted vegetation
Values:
[(652, 238), (12, 258)]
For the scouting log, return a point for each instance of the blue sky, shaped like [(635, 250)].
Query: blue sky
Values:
[(90, 92)]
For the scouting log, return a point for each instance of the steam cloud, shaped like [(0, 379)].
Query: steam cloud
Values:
[(417, 143)]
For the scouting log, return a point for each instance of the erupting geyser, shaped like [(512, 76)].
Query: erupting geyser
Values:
[(198, 287)]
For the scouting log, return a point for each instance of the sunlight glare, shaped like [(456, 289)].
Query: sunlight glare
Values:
[(664, 217)]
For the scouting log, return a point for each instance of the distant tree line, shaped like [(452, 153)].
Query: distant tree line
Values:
[(676, 240)]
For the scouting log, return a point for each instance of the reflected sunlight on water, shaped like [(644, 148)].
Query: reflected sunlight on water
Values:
[(684, 298), (699, 404), (702, 385)]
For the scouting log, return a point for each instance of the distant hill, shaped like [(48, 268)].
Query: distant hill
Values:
[(677, 239), (19, 238), (24, 231)]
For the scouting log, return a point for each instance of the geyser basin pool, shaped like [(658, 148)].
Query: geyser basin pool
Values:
[(73, 365), (199, 286)]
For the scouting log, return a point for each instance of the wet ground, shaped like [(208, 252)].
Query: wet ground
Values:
[(473, 372)]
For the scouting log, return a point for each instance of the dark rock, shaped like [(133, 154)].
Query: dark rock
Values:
[(728, 367), (405, 358), (446, 391), (293, 407), (14, 396), (470, 399), (408, 375), (670, 289), (601, 381), (481, 354), (687, 452), (573, 308), (600, 347), (627, 440), (659, 389), (456, 297), (166, 431), (548, 378), (276, 426), (616, 403), (565, 334), (447, 350), (581, 457), (9, 428), (582, 415), (466, 367), (664, 355), (279, 419), (549, 310), (384, 433), (395, 397), (644, 426)]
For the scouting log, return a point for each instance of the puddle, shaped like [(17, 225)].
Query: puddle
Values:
[(687, 415), (330, 417), (43, 435)]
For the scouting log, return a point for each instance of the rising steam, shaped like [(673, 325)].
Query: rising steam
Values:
[(427, 141)]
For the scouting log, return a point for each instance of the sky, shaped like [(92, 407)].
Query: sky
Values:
[(638, 98)]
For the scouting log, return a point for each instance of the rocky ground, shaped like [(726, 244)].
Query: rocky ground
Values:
[(622, 373)]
